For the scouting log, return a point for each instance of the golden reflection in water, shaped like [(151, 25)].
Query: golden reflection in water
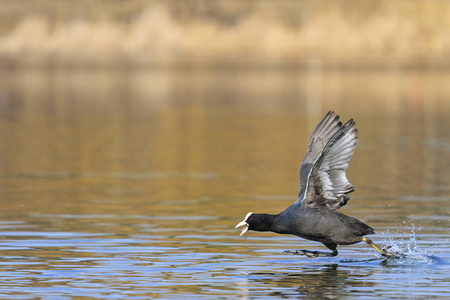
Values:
[(210, 142)]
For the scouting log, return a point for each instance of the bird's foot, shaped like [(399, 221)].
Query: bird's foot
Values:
[(386, 251), (312, 254)]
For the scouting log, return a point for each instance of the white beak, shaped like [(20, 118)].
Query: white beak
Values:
[(244, 230)]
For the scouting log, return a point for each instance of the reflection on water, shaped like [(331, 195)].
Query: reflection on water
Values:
[(127, 183)]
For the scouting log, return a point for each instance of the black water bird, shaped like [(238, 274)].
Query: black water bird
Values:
[(324, 188)]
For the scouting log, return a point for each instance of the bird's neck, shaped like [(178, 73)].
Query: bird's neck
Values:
[(267, 222)]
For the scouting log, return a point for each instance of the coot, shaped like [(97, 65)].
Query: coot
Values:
[(324, 188)]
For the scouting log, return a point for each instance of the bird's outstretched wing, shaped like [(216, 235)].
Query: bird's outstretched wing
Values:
[(322, 174)]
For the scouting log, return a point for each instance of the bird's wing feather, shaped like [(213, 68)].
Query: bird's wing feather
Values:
[(321, 134), (322, 175), (328, 184)]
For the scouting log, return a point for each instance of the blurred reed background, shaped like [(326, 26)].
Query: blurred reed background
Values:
[(229, 31)]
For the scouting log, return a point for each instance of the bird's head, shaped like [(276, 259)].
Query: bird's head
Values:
[(258, 222)]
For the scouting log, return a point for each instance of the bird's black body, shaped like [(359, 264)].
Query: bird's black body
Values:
[(324, 188), (323, 225)]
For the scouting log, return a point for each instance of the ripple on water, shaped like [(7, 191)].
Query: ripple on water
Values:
[(206, 263)]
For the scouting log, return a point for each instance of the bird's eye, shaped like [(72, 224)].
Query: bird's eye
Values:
[(251, 219)]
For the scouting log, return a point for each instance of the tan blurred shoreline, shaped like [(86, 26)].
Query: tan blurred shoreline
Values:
[(267, 33)]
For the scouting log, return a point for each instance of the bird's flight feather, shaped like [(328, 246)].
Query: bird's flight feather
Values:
[(322, 174)]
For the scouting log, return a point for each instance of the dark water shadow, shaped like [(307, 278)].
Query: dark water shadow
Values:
[(324, 282), (348, 277)]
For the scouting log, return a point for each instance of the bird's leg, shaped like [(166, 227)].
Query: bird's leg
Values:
[(312, 254), (379, 250)]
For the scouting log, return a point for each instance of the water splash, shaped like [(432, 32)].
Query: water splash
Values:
[(406, 251), (405, 246)]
